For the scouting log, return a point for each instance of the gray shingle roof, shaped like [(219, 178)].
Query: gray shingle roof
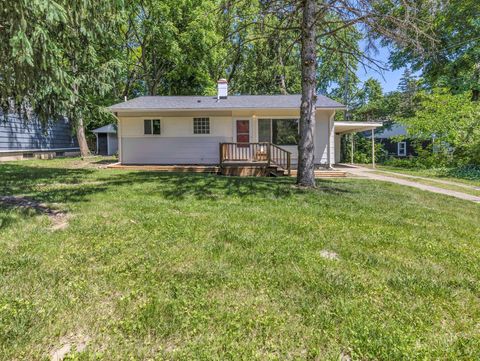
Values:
[(232, 102), (110, 128), (389, 131)]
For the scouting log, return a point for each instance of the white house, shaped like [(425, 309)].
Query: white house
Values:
[(207, 130)]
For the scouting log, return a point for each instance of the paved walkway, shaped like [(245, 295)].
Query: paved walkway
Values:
[(369, 173)]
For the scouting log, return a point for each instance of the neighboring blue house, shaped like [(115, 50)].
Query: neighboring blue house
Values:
[(398, 148), (396, 141), (20, 139)]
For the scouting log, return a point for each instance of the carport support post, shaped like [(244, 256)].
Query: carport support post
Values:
[(352, 147), (373, 148), (329, 161)]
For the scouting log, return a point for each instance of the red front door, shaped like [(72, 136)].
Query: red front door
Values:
[(243, 131)]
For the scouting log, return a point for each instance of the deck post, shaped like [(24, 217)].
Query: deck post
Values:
[(220, 153), (289, 164), (373, 148), (268, 154)]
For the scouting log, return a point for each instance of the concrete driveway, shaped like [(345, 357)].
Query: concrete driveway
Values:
[(363, 172)]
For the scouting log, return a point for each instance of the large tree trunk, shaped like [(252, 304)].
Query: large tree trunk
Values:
[(82, 140), (78, 119), (306, 145)]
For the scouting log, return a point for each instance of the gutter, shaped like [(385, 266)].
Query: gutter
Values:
[(136, 110), (38, 150)]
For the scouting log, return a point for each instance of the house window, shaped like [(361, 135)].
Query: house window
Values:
[(278, 131), (402, 149), (151, 126), (201, 125)]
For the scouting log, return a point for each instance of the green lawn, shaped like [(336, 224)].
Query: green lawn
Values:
[(448, 174), (200, 267), (432, 181)]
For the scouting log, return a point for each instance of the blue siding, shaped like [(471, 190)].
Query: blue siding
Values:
[(16, 134)]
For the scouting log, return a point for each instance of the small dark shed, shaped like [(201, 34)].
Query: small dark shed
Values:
[(107, 141)]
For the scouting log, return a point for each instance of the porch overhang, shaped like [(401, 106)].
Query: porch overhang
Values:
[(346, 127)]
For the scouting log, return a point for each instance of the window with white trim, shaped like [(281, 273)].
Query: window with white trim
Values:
[(151, 126), (201, 125), (402, 149)]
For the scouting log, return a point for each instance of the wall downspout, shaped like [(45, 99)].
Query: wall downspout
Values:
[(352, 147)]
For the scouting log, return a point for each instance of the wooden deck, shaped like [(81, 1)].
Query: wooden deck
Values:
[(325, 173), (168, 168)]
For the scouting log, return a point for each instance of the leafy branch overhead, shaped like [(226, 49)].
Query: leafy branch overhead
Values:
[(72, 58)]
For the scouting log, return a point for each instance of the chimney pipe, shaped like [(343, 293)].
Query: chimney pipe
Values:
[(222, 89)]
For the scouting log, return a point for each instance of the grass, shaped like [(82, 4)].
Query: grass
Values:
[(458, 187), (199, 267), (448, 174)]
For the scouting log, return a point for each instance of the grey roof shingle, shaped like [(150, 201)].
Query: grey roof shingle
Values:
[(110, 128), (232, 102)]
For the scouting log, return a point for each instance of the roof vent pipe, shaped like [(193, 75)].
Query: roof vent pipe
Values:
[(222, 89)]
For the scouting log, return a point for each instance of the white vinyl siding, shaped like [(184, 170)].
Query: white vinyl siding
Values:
[(172, 151), (177, 144)]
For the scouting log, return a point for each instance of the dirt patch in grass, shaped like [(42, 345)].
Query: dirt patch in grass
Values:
[(76, 343), (329, 255), (58, 218), (93, 162)]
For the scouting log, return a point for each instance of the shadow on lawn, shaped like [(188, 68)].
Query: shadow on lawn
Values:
[(75, 185), (18, 179), (106, 161), (178, 186)]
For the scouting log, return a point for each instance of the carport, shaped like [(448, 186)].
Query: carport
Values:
[(350, 127)]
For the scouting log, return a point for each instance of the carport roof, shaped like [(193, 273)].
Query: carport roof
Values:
[(344, 127)]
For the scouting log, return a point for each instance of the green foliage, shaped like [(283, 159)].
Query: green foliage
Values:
[(362, 153), (264, 50), (172, 48), (452, 60), (58, 55), (469, 174), (452, 120)]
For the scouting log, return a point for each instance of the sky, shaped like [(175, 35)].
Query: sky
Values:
[(388, 79)]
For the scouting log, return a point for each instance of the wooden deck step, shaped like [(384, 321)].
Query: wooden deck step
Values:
[(168, 168), (325, 173)]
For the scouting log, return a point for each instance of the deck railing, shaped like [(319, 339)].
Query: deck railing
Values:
[(258, 153)]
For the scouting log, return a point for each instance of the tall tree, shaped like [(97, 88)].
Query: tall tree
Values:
[(306, 145), (58, 58), (459, 128), (170, 47), (323, 23), (454, 62)]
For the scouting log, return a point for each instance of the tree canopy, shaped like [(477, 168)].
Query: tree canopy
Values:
[(63, 58)]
